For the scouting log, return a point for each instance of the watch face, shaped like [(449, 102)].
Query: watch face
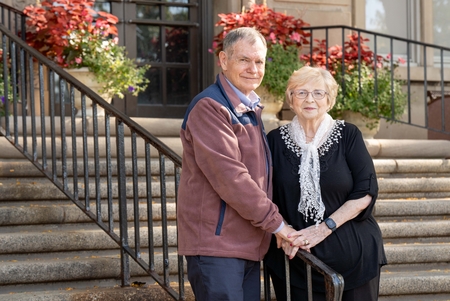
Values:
[(330, 223)]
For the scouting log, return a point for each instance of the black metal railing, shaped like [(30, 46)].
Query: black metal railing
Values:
[(334, 282), (122, 196), (425, 68), (13, 19)]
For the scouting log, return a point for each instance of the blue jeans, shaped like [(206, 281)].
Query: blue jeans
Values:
[(227, 279)]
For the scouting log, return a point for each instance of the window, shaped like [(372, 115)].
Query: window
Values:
[(399, 18), (169, 36), (166, 38), (441, 28)]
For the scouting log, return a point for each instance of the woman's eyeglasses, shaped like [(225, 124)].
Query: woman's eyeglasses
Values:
[(316, 94)]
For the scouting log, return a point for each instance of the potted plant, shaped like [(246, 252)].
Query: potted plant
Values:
[(284, 38), (366, 89), (67, 33)]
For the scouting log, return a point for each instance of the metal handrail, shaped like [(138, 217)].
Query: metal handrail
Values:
[(417, 108), (334, 282), (13, 19), (37, 84)]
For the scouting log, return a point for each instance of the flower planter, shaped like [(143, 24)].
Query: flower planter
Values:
[(87, 78), (272, 106), (361, 121), (89, 42)]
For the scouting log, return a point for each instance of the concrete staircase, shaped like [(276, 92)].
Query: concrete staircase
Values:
[(413, 212), (47, 250), (50, 250)]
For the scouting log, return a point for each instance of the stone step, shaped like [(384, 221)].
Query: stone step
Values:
[(386, 209), (417, 253), (73, 237), (417, 297), (89, 275), (18, 168), (408, 148), (432, 187), (415, 279), (63, 211), (159, 127), (99, 290), (412, 167), (10, 152), (415, 229), (74, 266), (43, 189)]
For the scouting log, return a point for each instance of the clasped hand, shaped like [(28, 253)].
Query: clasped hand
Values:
[(292, 240)]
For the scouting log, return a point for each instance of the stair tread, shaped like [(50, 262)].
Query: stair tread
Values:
[(427, 297), (77, 255), (66, 291), (416, 270)]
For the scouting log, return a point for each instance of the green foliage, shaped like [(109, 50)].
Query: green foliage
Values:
[(361, 93), (368, 91), (280, 63), (108, 62), (67, 33)]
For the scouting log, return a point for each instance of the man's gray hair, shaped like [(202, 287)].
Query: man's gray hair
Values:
[(248, 33)]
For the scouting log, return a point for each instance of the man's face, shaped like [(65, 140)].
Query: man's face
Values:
[(245, 67)]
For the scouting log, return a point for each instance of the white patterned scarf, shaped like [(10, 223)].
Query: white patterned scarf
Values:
[(311, 204)]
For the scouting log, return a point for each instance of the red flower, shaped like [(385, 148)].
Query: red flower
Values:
[(351, 53), (274, 26), (50, 25)]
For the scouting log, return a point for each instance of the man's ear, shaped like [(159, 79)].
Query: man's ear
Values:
[(223, 59)]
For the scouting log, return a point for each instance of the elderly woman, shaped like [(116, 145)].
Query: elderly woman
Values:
[(325, 186)]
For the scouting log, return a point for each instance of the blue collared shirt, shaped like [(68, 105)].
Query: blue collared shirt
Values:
[(250, 102)]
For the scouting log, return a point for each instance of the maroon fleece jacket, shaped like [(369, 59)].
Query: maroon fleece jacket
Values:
[(224, 204)]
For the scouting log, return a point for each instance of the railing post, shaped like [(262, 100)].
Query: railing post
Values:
[(125, 261), (162, 181), (288, 278)]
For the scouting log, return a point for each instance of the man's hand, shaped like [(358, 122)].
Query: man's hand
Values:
[(285, 234)]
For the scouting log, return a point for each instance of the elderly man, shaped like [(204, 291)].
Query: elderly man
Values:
[(225, 213)]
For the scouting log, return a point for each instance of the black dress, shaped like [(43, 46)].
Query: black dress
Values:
[(355, 250)]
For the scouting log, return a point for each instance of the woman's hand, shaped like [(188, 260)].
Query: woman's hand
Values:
[(313, 235), (310, 237)]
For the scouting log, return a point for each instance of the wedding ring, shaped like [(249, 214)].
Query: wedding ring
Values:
[(306, 242)]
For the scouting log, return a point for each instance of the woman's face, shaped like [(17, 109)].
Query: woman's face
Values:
[(311, 108)]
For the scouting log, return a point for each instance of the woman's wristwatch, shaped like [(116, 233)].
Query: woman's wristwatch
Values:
[(330, 224)]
